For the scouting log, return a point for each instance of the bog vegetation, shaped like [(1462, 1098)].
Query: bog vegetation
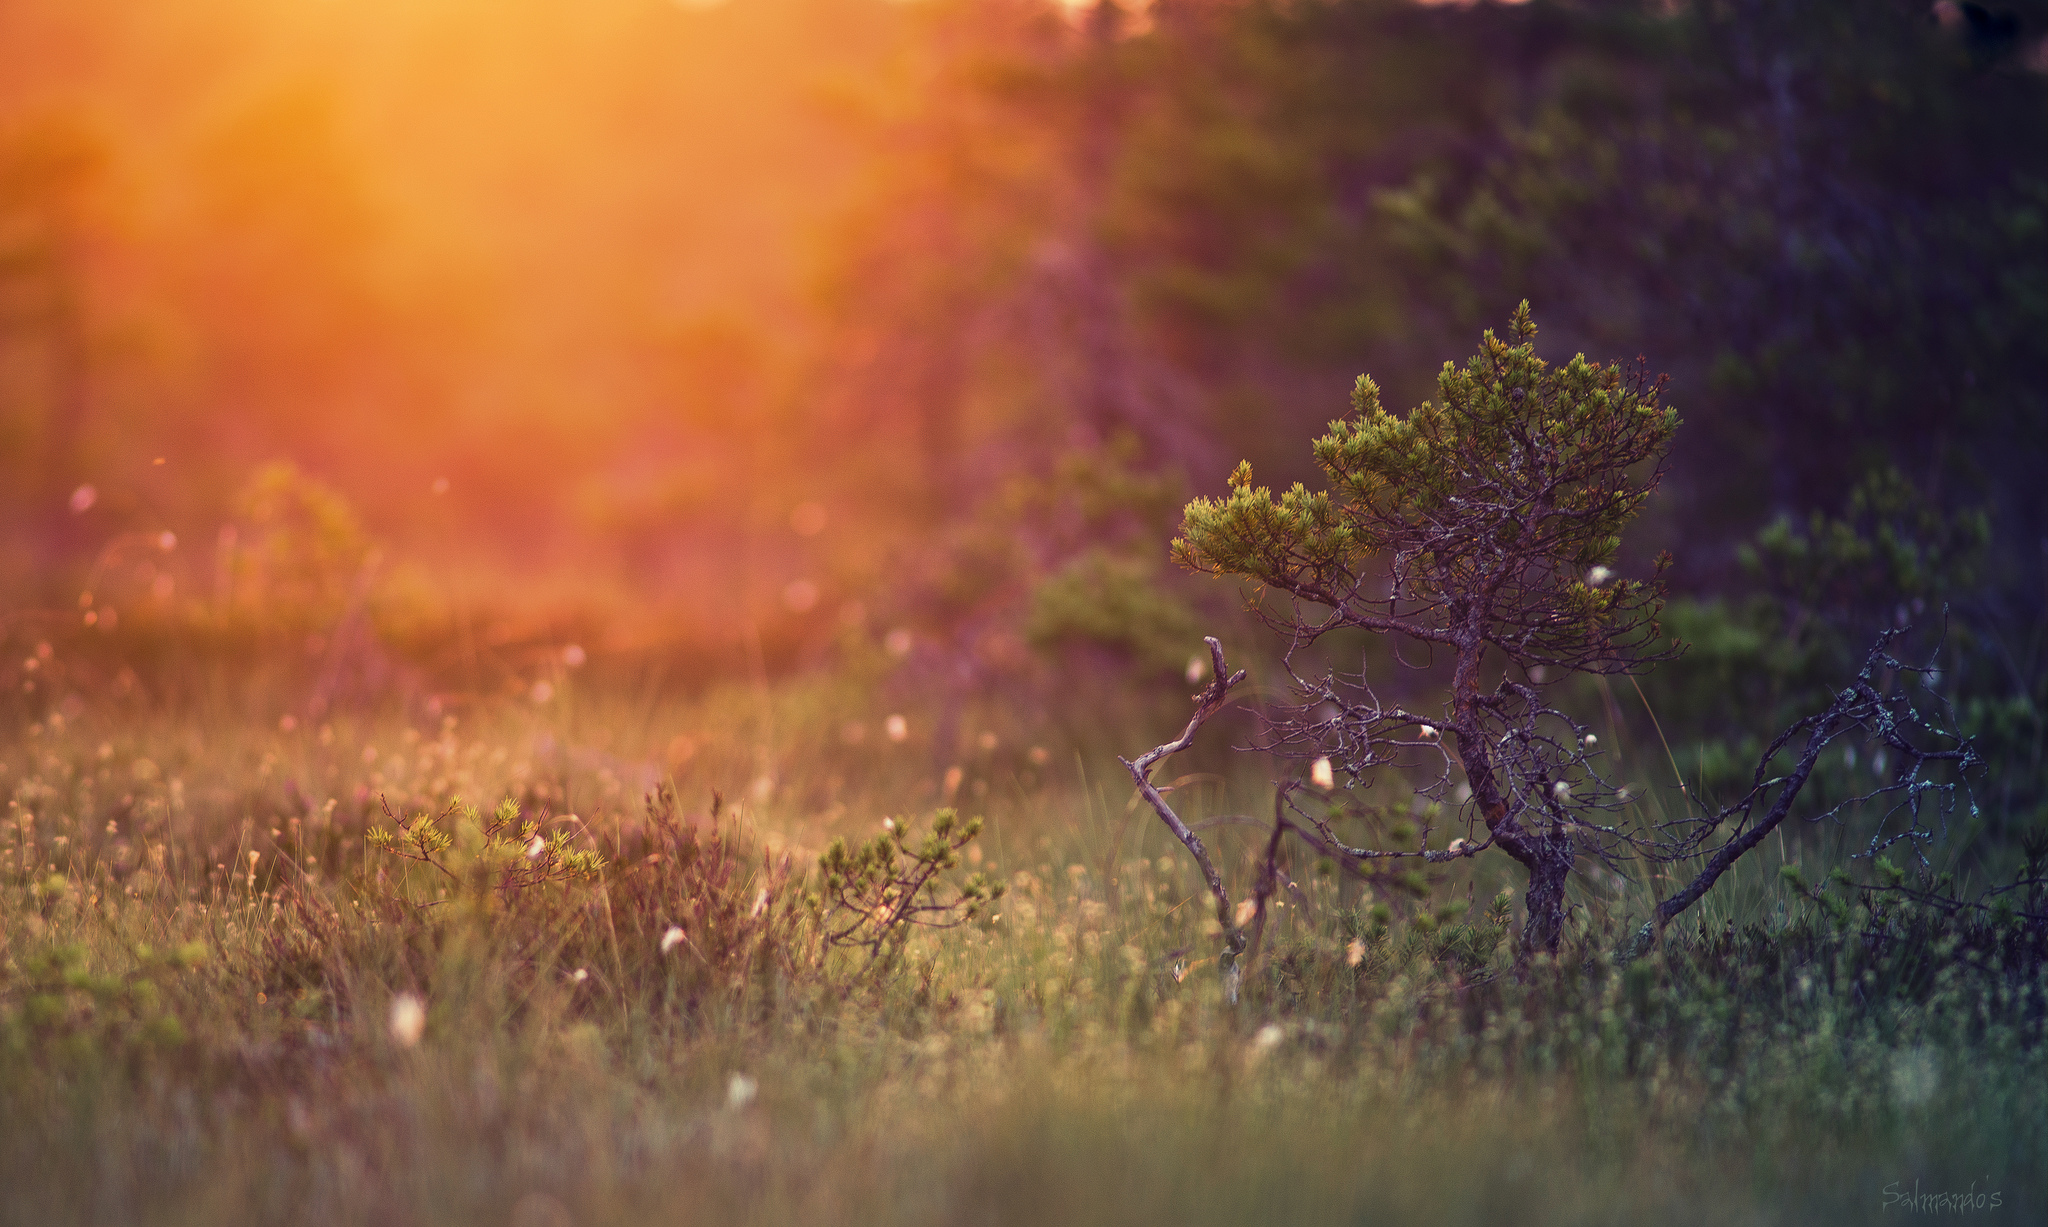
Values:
[(277, 971), (602, 630), (242, 1010)]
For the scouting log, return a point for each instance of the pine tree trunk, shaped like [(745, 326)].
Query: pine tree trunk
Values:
[(1548, 869), (1547, 855)]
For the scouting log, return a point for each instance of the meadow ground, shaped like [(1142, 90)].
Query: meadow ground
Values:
[(209, 977)]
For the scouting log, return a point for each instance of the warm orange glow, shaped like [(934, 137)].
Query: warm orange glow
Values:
[(534, 286)]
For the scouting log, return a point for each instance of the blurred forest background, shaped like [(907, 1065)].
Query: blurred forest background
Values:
[(417, 339)]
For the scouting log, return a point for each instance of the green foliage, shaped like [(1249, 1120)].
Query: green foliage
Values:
[(1891, 557), (1892, 546), (873, 893), (1488, 506), (1116, 602), (503, 855), (57, 1005)]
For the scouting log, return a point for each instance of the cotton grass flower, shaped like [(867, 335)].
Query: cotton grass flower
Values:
[(535, 848), (1598, 576), (1428, 732), (407, 1020), (1561, 790), (1321, 774), (1354, 954), (671, 939), (1915, 1076), (740, 1090), (1268, 1038)]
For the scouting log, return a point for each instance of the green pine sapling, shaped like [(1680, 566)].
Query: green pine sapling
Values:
[(1480, 526), (505, 854), (874, 892), (1480, 530)]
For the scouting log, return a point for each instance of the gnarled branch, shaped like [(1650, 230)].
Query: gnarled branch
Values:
[(1208, 702)]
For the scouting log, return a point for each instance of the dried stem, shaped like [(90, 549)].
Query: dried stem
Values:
[(1269, 876), (1207, 703)]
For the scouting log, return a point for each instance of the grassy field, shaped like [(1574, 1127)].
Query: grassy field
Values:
[(219, 1003)]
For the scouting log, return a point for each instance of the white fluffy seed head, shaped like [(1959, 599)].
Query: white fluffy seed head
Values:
[(1592, 740), (1561, 790), (1429, 733), (740, 1090), (671, 939), (408, 1020), (1321, 774)]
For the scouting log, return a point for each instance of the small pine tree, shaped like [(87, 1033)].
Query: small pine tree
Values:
[(1482, 525)]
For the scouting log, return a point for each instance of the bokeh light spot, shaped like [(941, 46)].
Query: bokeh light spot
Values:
[(800, 596), (807, 519)]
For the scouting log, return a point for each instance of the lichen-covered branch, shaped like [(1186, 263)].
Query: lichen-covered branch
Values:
[(1887, 715)]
